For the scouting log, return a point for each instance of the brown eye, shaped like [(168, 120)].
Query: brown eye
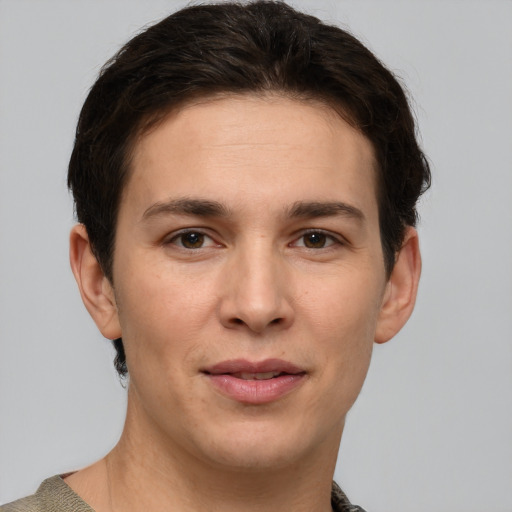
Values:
[(191, 240), (315, 240)]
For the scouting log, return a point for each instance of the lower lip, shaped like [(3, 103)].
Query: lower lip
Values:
[(256, 391)]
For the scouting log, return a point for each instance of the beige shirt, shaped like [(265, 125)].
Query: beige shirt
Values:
[(54, 495)]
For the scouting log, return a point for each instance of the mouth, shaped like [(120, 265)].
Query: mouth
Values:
[(256, 376), (254, 382)]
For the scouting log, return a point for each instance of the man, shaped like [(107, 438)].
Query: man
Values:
[(245, 178)]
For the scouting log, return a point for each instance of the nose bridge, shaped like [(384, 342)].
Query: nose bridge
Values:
[(256, 295)]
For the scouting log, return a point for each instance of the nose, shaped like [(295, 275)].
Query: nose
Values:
[(256, 293)]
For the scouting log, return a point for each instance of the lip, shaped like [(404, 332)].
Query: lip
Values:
[(225, 378)]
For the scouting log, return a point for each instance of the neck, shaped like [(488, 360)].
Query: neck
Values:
[(149, 472), (132, 490)]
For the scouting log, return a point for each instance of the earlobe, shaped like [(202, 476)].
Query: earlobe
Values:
[(95, 289), (401, 289)]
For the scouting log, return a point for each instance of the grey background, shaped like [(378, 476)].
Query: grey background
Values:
[(432, 429)]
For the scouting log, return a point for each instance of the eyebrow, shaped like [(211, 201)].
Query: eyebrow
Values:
[(208, 208), (187, 206), (325, 209)]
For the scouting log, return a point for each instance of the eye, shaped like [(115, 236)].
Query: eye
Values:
[(192, 240), (315, 240)]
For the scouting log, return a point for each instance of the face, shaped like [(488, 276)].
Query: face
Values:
[(249, 279)]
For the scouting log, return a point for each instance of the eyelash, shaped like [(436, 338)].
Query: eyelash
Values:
[(333, 239), (328, 238), (181, 234)]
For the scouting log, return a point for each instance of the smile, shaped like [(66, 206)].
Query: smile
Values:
[(254, 382)]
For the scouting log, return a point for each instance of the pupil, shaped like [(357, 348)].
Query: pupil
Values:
[(193, 240), (315, 240)]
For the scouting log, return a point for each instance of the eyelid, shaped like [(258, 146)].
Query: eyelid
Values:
[(175, 235), (170, 239), (335, 237)]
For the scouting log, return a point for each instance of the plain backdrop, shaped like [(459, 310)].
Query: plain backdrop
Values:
[(432, 429)]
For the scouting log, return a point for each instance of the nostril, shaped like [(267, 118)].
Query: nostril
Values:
[(239, 321)]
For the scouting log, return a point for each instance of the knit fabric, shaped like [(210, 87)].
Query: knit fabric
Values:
[(54, 495)]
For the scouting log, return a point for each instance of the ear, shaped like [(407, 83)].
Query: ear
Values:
[(401, 289), (96, 291)]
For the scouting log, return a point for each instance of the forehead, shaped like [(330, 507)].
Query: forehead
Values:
[(256, 146)]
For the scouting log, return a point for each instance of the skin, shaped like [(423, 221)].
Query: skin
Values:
[(265, 279)]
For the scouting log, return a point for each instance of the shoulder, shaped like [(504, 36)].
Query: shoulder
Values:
[(28, 504), (340, 502), (53, 495)]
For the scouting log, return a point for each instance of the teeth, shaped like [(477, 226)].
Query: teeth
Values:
[(256, 376)]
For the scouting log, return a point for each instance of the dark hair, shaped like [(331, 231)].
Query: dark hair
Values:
[(258, 47)]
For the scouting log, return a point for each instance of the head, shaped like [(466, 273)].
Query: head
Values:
[(232, 50), (245, 178)]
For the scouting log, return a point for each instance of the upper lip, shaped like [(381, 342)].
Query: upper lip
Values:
[(243, 365)]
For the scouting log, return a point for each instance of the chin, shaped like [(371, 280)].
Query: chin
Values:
[(252, 448)]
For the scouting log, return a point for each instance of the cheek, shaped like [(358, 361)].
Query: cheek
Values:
[(348, 334), (343, 317), (161, 316), (343, 307)]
